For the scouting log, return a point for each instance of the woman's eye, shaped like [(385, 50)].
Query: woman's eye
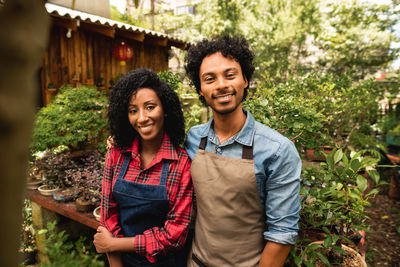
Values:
[(150, 107), (230, 75), (132, 111)]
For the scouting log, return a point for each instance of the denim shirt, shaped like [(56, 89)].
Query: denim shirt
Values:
[(277, 167)]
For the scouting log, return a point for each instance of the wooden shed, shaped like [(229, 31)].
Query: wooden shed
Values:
[(80, 50)]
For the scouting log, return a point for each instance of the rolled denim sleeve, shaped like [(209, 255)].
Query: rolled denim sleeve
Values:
[(282, 203)]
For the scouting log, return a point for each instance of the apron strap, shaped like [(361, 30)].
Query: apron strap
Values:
[(247, 151), (203, 143), (125, 164), (164, 172)]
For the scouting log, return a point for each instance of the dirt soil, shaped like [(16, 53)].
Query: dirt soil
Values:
[(383, 242)]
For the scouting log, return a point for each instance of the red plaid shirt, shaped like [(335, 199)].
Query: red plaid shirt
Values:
[(157, 240)]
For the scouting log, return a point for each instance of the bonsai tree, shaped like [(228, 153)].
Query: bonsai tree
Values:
[(335, 199), (75, 118)]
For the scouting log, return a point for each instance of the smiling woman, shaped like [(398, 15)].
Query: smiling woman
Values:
[(147, 190)]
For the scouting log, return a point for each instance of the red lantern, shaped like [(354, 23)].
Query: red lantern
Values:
[(123, 52), (380, 76)]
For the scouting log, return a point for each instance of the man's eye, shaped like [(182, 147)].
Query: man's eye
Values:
[(208, 79), (132, 111), (230, 75)]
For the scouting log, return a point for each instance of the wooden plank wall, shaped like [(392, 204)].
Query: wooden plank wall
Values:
[(86, 58)]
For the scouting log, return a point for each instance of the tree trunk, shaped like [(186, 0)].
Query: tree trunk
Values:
[(23, 39)]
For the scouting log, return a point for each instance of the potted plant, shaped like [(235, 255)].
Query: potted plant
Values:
[(86, 177), (76, 119), (35, 177), (335, 203), (53, 164)]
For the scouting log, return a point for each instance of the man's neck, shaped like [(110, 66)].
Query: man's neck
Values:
[(228, 125)]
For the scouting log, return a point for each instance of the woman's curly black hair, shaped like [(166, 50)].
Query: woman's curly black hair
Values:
[(122, 131), (235, 47)]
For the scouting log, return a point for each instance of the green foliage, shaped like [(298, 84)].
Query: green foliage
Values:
[(316, 110), (62, 252), (357, 36), (28, 242), (192, 107), (75, 118), (193, 115), (336, 196), (174, 80)]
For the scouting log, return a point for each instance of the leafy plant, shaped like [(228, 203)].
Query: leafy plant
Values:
[(336, 197), (86, 175), (62, 252), (83, 172), (316, 110), (28, 242), (192, 110), (75, 118)]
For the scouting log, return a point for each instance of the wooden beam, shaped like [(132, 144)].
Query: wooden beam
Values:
[(137, 36), (101, 29), (178, 44), (67, 23), (160, 41)]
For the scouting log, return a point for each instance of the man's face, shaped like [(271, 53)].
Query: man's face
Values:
[(222, 83)]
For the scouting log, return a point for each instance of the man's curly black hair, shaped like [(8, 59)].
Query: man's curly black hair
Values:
[(122, 131), (235, 47)]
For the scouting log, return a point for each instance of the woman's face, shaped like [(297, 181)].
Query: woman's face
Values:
[(146, 115)]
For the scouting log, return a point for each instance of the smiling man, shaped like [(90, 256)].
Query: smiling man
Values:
[(246, 176)]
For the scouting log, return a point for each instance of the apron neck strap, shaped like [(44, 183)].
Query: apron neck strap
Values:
[(125, 164), (247, 151), (164, 172)]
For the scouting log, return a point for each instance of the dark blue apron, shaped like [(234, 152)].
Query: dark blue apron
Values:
[(141, 207)]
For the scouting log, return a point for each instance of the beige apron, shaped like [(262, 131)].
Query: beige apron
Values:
[(230, 219)]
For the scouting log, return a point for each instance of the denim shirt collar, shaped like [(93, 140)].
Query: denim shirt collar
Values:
[(244, 137)]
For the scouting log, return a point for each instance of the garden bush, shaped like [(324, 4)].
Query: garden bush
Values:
[(318, 109), (76, 118)]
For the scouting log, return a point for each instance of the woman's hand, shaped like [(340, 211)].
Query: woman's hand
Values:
[(103, 240)]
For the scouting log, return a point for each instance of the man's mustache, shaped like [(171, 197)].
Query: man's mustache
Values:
[(221, 93)]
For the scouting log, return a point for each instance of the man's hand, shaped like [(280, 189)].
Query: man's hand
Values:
[(103, 240), (110, 142)]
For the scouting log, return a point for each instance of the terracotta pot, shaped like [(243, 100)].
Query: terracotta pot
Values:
[(394, 185), (46, 190), (83, 205), (394, 159), (96, 213), (347, 249), (310, 154)]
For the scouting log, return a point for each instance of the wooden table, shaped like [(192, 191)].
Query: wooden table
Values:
[(67, 209)]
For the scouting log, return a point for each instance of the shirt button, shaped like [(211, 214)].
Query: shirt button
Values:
[(218, 149)]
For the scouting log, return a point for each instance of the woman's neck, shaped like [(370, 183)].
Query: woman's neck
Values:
[(148, 151)]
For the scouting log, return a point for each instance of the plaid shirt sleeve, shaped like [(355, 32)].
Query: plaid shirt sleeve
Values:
[(161, 240), (109, 214)]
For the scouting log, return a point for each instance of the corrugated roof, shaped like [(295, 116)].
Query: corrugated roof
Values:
[(75, 14)]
